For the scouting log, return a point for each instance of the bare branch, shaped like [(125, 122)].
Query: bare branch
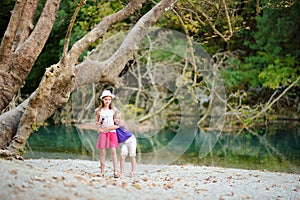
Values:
[(190, 47), (68, 35), (275, 100), (209, 20), (228, 21)]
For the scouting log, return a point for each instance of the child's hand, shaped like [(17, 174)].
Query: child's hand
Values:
[(103, 129)]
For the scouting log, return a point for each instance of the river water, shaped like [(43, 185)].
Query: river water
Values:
[(276, 150)]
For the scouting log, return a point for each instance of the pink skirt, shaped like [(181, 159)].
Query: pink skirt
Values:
[(107, 140)]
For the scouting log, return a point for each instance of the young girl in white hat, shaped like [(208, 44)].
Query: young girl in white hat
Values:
[(109, 139)]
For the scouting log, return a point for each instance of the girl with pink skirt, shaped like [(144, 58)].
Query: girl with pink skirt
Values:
[(106, 140)]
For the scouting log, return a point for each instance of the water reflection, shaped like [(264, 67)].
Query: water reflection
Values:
[(277, 152)]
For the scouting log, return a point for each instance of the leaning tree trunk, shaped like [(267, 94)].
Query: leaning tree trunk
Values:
[(22, 43), (8, 129), (9, 124), (60, 80)]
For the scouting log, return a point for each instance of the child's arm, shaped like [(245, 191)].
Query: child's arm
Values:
[(110, 128), (97, 117)]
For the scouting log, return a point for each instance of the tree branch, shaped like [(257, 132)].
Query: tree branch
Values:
[(98, 71), (9, 35), (26, 23), (68, 35), (209, 20), (275, 100), (39, 36), (102, 28), (228, 21), (15, 66)]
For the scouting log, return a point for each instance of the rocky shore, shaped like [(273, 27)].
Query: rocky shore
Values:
[(78, 179)]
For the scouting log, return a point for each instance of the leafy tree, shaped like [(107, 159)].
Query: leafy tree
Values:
[(278, 43), (18, 54), (36, 37), (268, 69), (273, 61)]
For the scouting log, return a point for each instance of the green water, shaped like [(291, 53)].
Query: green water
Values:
[(279, 151)]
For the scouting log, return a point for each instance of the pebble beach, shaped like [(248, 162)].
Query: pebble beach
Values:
[(79, 179)]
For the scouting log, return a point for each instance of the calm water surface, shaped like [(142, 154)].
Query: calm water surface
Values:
[(276, 151)]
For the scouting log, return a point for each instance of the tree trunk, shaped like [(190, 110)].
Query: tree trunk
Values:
[(60, 80), (9, 122), (22, 43)]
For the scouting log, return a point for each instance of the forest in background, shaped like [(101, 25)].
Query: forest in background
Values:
[(258, 52)]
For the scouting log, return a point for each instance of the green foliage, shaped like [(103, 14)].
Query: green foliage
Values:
[(277, 39), (130, 111), (22, 151), (277, 30), (273, 58), (94, 11), (241, 76), (281, 73), (36, 126)]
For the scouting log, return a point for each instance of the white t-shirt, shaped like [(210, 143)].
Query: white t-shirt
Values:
[(107, 118)]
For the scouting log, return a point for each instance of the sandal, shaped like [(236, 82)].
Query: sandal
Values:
[(100, 175), (116, 175), (132, 174)]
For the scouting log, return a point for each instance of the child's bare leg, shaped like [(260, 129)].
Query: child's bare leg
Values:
[(122, 162), (133, 164), (114, 160), (102, 161)]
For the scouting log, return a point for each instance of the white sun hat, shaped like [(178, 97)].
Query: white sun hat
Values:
[(107, 93)]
